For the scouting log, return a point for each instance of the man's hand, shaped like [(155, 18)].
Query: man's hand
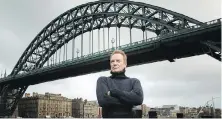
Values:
[(108, 93), (115, 92)]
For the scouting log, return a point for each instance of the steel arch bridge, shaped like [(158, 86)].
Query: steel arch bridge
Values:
[(86, 18), (96, 15)]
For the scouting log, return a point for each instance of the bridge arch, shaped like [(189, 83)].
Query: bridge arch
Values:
[(96, 15)]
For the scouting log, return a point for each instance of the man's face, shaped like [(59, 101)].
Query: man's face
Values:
[(117, 63)]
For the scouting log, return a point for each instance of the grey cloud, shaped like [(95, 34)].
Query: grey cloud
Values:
[(10, 49), (181, 69)]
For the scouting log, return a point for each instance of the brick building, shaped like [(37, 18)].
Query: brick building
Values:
[(78, 107), (48, 105), (91, 109)]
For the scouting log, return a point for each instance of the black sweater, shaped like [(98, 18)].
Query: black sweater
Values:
[(125, 93)]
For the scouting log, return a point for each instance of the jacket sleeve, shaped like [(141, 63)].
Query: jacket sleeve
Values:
[(101, 93), (134, 97)]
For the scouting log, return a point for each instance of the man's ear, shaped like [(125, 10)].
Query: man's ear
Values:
[(125, 65)]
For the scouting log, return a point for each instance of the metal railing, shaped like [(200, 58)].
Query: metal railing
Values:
[(206, 104)]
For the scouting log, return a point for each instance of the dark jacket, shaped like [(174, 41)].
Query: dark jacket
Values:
[(125, 94)]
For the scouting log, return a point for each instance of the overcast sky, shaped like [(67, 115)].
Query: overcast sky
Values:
[(186, 82)]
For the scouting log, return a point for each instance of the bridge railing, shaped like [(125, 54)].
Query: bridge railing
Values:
[(125, 47), (96, 54), (191, 28), (88, 57)]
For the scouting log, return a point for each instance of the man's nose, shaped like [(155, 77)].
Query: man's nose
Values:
[(114, 63)]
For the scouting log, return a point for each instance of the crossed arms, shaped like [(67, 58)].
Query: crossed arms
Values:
[(118, 97)]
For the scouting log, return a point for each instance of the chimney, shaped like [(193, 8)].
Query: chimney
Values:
[(5, 73), (27, 94)]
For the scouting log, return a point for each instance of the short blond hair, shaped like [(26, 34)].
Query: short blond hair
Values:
[(120, 52)]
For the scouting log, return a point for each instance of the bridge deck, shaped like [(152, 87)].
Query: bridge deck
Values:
[(176, 46)]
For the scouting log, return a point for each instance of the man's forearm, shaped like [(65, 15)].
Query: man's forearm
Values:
[(108, 100), (102, 97), (134, 97), (112, 100), (128, 97)]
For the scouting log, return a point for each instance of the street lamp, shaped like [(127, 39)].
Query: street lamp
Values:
[(113, 41), (77, 51), (213, 105), (51, 62)]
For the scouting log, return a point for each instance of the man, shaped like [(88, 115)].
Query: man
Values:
[(118, 94)]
